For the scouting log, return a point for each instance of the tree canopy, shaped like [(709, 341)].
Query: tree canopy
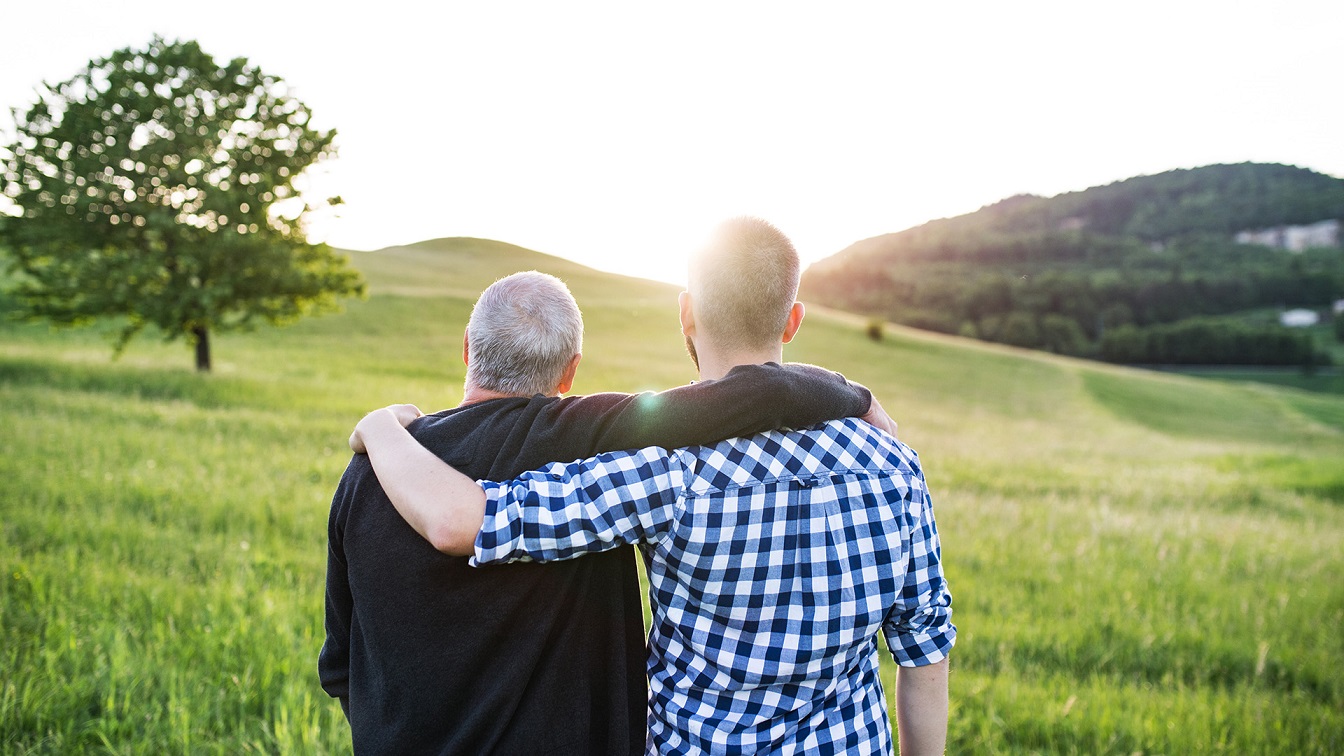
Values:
[(158, 187)]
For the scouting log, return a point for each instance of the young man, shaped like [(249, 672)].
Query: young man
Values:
[(774, 560), (429, 655)]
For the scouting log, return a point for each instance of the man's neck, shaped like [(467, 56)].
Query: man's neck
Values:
[(473, 394), (715, 365)]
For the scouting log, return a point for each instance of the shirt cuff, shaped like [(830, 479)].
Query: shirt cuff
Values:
[(498, 537), (925, 647)]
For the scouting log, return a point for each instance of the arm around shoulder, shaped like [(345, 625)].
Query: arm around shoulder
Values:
[(444, 506), (750, 399)]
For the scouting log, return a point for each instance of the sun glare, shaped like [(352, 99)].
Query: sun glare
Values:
[(620, 150)]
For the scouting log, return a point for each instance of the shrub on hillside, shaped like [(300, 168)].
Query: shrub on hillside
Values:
[(873, 329)]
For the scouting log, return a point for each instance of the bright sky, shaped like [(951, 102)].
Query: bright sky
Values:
[(618, 133)]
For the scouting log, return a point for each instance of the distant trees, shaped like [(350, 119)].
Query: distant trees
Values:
[(1064, 273), (1063, 335), (1115, 314), (1204, 341), (158, 187), (1214, 199)]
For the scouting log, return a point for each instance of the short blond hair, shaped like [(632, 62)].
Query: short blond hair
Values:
[(743, 284)]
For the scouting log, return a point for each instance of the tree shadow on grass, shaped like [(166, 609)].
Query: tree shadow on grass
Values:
[(151, 384)]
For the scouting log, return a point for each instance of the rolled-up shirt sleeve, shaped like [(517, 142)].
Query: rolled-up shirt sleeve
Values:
[(919, 627), (567, 510)]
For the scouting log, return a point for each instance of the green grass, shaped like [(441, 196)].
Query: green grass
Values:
[(1140, 562), (1328, 380)]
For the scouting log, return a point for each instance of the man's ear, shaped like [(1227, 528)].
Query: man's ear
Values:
[(567, 378), (465, 351), (795, 321), (687, 313)]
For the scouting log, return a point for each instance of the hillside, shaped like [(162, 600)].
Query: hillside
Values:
[(164, 532), (462, 266), (1111, 271)]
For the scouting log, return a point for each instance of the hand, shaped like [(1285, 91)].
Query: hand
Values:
[(878, 418), (404, 414)]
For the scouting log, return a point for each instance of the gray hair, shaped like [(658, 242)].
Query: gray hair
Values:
[(744, 282), (524, 330)]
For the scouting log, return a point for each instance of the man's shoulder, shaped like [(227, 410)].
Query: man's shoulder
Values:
[(841, 446), (512, 435), (455, 423), (536, 408), (589, 406), (850, 439)]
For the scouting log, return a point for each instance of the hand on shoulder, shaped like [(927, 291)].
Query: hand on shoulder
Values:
[(403, 414)]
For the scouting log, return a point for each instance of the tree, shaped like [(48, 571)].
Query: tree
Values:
[(158, 187), (1062, 335), (1019, 329)]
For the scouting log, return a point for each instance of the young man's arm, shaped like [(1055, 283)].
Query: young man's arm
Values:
[(444, 506), (920, 633), (556, 513), (591, 505), (921, 708)]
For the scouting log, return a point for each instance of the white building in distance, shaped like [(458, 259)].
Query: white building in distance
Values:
[(1299, 318), (1294, 238)]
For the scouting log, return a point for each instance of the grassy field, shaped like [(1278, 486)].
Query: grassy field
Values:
[(1328, 380), (1141, 563)]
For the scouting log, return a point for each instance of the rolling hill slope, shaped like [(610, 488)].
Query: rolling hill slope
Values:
[(1139, 562)]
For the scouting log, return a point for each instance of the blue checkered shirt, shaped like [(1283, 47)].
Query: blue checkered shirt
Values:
[(773, 561)]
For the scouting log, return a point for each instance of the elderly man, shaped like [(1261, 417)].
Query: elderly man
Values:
[(429, 655), (774, 560)]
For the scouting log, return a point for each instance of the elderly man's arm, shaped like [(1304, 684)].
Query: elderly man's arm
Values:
[(750, 399), (878, 418), (444, 506)]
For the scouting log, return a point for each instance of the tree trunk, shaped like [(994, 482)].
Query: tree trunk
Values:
[(202, 337)]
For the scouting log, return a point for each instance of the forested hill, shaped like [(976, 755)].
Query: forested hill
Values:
[(1116, 271)]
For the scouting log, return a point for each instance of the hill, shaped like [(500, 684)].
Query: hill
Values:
[(1139, 562), (458, 266), (1117, 271)]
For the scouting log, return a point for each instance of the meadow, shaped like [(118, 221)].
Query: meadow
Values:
[(1140, 562)]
